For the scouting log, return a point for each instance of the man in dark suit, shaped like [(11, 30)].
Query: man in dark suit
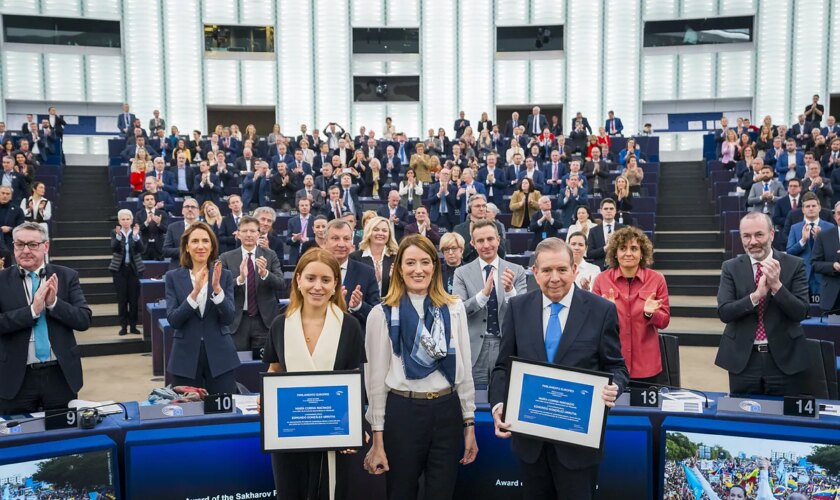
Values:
[(800, 131), (511, 124), (308, 191), (553, 171), (56, 121), (258, 283), (304, 136), (298, 166), (546, 224), (125, 120), (255, 186), (358, 279), (494, 180), (246, 162), (126, 268), (160, 143), (206, 185), (460, 125), (762, 298), (322, 157), (11, 216), (153, 224), (41, 306), (396, 214), (566, 326), (599, 235), (14, 180), (422, 225), (583, 121), (334, 207), (831, 159), (570, 198), (163, 177), (825, 260), (536, 122), (441, 200), (613, 125), (350, 195), (172, 242), (787, 203), (162, 198), (268, 239), (300, 230), (228, 237), (131, 150), (184, 175)]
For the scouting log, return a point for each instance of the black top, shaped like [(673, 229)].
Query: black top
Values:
[(351, 344)]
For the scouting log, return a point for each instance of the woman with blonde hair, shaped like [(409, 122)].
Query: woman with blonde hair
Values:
[(140, 165), (419, 378), (315, 333), (377, 249), (211, 215)]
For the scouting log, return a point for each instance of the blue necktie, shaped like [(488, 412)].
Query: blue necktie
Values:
[(42, 336), (492, 306), (127, 249), (553, 332)]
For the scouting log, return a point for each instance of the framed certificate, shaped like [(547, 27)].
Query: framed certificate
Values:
[(556, 404), (311, 411)]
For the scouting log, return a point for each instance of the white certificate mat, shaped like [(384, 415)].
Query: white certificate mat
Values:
[(311, 411), (556, 404)]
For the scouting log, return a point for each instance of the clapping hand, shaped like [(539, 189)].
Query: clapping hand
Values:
[(200, 283), (507, 280), (262, 266), (217, 277), (136, 230), (610, 295), (651, 304)]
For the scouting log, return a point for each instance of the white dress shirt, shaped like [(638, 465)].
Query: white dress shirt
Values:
[(201, 301), (384, 369)]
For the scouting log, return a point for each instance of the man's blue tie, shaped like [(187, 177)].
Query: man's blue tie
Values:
[(553, 332), (42, 336)]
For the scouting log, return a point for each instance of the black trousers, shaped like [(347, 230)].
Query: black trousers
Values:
[(762, 376), (127, 284), (42, 389), (547, 479), (305, 476), (224, 383), (251, 333), (423, 437)]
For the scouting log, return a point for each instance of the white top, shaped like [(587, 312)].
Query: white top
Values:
[(577, 227), (587, 270), (201, 302), (482, 299), (384, 369)]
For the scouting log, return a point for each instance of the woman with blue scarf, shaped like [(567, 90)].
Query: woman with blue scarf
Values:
[(419, 379)]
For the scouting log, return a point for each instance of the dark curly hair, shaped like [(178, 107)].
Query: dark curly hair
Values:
[(623, 237)]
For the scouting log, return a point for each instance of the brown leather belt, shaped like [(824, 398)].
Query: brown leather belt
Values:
[(424, 395)]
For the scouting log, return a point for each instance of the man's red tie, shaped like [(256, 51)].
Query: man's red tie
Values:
[(793, 205), (760, 334)]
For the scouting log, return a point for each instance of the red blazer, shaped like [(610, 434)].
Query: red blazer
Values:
[(137, 180), (639, 336), (604, 140)]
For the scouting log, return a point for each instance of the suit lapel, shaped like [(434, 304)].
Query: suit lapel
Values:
[(578, 314)]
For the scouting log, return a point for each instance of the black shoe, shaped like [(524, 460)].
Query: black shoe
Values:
[(135, 331), (122, 332)]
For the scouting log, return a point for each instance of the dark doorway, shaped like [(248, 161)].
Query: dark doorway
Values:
[(503, 113), (833, 107), (263, 117)]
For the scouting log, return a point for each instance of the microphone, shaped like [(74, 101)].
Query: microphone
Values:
[(90, 413), (670, 387)]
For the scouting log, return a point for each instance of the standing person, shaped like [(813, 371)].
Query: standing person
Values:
[(172, 243), (600, 236), (419, 381), (421, 225), (441, 199), (153, 228), (824, 262), (11, 216), (546, 223), (319, 230), (41, 306), (562, 325), (361, 291), (200, 308), (37, 208), (802, 236), (762, 298), (586, 272), (126, 269), (299, 230), (524, 204), (314, 334), (640, 296), (259, 282), (377, 249), (452, 248), (486, 286)]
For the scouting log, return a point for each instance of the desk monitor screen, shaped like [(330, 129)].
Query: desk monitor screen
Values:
[(705, 465), (88, 476)]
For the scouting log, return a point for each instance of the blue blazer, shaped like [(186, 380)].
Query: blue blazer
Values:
[(295, 227), (170, 185), (462, 203), (253, 191), (804, 252), (433, 202), (499, 185), (570, 206), (121, 121), (547, 169), (589, 341), (226, 238), (782, 165), (203, 194), (360, 274), (190, 327), (70, 313), (618, 125)]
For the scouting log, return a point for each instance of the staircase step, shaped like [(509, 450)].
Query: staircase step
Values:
[(83, 228), (681, 263), (90, 289), (694, 290), (102, 298), (86, 261), (71, 252)]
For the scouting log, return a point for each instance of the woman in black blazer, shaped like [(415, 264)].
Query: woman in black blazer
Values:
[(377, 249), (316, 317), (127, 270)]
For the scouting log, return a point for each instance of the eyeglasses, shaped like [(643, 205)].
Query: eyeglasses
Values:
[(31, 245), (450, 249), (191, 207)]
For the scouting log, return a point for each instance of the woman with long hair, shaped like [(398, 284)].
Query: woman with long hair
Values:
[(140, 164), (640, 295), (524, 203), (419, 379), (584, 222), (411, 191), (37, 208), (315, 333), (212, 216), (200, 307), (377, 249)]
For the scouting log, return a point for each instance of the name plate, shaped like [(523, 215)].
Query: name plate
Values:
[(750, 405), (61, 419), (218, 403), (171, 410), (26, 426), (800, 406), (647, 397)]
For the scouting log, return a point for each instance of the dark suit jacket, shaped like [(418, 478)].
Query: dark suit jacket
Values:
[(782, 314), (135, 253), (295, 227), (434, 202), (825, 253), (241, 166), (433, 232), (364, 276), (781, 210), (70, 313), (597, 245), (124, 124), (152, 231), (551, 230), (349, 354), (172, 243), (589, 341), (499, 185), (509, 125), (190, 177), (543, 123), (170, 184), (226, 239), (387, 262), (401, 213), (585, 123), (190, 327), (268, 289), (207, 192), (13, 217), (354, 195)]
